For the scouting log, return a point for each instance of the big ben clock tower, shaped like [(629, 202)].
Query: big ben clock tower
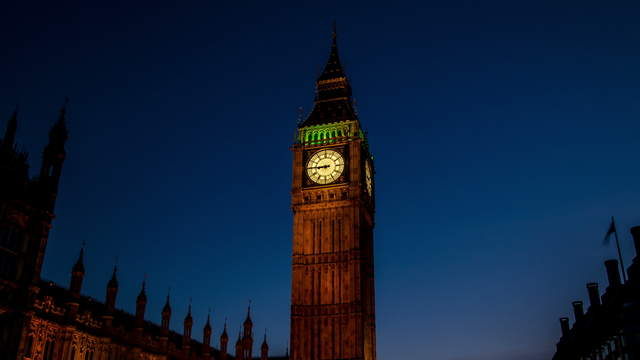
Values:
[(333, 202)]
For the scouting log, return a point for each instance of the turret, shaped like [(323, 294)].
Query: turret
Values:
[(247, 339), (206, 337), (188, 323), (52, 160), (112, 291), (264, 349), (224, 341), (166, 318), (77, 275), (239, 348), (141, 304), (110, 300), (13, 163), (248, 324)]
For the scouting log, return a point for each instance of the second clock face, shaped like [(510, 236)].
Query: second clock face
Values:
[(325, 166)]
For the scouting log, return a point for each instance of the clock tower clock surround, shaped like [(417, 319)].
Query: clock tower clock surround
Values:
[(333, 203)]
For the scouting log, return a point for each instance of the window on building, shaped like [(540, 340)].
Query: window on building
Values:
[(29, 348), (48, 350)]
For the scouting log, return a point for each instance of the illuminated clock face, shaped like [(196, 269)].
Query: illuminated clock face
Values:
[(325, 166), (368, 178)]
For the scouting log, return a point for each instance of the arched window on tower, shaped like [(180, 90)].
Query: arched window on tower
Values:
[(29, 348), (48, 350)]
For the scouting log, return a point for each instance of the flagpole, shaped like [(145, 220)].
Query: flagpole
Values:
[(624, 272)]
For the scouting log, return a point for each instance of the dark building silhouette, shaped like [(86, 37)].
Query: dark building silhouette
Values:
[(610, 327), (333, 203), (40, 320)]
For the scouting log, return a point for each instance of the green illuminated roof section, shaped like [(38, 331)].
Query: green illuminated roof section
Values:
[(327, 133)]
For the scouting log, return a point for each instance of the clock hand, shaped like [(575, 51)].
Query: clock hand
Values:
[(320, 167)]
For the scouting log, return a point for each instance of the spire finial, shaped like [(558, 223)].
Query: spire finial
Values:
[(58, 134), (80, 257), (79, 265), (334, 32), (113, 283), (142, 296), (207, 326), (143, 289)]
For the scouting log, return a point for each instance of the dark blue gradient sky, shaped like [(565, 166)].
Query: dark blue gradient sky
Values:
[(505, 136)]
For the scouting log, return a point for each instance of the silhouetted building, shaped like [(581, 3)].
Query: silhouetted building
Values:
[(41, 320), (333, 203), (610, 328)]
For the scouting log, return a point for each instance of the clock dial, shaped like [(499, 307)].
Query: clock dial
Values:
[(368, 177), (325, 166)]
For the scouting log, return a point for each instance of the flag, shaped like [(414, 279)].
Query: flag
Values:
[(612, 229)]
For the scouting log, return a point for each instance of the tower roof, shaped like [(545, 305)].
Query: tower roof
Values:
[(79, 265), (224, 334), (142, 296), (247, 321), (333, 93), (167, 307), (207, 326), (333, 69), (188, 319), (113, 283), (58, 134)]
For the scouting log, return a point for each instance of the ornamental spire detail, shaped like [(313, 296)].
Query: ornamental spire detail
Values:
[(333, 92)]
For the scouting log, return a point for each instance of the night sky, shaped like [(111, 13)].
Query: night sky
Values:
[(505, 136)]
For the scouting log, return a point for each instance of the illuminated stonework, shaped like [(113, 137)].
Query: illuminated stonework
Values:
[(326, 134), (332, 295)]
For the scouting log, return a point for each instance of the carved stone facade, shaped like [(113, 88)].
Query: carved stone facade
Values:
[(332, 298), (40, 320)]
